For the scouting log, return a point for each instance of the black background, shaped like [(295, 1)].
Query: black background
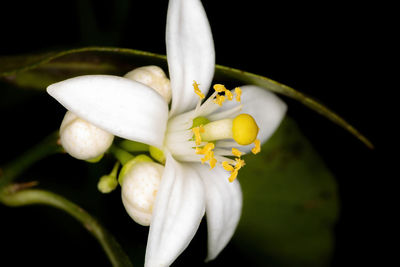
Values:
[(331, 51)]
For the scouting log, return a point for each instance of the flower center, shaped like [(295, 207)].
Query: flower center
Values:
[(211, 135)]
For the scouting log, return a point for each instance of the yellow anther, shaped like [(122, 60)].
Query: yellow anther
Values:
[(257, 147), (197, 90), (238, 93), (236, 152), (239, 163), (205, 149), (227, 166), (196, 131), (229, 95), (219, 88), (213, 161), (244, 129), (208, 156), (233, 170), (233, 176), (219, 99)]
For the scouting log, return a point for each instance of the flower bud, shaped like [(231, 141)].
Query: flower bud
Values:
[(108, 183), (153, 77), (139, 190), (83, 140)]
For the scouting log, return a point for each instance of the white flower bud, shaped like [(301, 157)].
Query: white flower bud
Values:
[(139, 190), (83, 140), (153, 77)]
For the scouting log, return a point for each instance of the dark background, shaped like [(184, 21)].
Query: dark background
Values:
[(331, 51)]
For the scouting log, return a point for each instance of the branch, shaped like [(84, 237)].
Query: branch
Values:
[(13, 169), (11, 196)]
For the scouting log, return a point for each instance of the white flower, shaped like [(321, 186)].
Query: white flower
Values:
[(132, 110)]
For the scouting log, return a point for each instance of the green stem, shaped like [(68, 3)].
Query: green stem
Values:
[(10, 196), (120, 154), (132, 146), (13, 169)]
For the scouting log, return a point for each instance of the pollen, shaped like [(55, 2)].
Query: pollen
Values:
[(244, 129), (197, 134), (219, 99), (234, 170), (229, 95), (233, 176), (207, 156), (213, 162), (238, 93), (219, 88), (239, 163), (197, 90), (257, 147), (236, 152), (208, 153), (227, 166), (207, 148)]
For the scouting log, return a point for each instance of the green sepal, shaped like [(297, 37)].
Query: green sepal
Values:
[(95, 160), (157, 154)]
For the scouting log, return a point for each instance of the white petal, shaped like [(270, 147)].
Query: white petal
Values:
[(267, 109), (178, 209), (190, 52), (123, 107), (223, 207)]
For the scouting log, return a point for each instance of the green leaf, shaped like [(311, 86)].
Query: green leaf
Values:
[(39, 71), (290, 203)]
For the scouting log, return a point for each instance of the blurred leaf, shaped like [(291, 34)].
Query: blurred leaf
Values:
[(290, 203), (39, 71)]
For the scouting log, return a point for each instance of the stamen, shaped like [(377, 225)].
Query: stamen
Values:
[(213, 161), (207, 107), (236, 152), (219, 88), (208, 154), (197, 136), (227, 166), (219, 99), (233, 176), (239, 163), (207, 148), (197, 90), (229, 113), (238, 93), (228, 94), (257, 147)]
